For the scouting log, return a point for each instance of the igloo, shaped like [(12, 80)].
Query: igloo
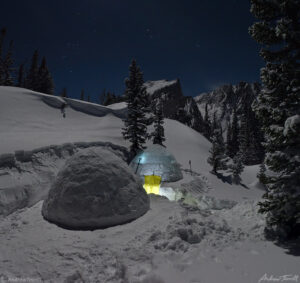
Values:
[(158, 161), (95, 189)]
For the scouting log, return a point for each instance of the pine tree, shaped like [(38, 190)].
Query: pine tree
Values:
[(236, 169), (217, 156), (32, 80), (8, 67), (159, 132), (2, 65), (244, 137), (229, 146), (234, 134), (2, 36), (207, 124), (135, 129), (82, 95), (277, 108), (102, 97), (64, 93), (21, 76), (214, 124), (256, 140), (45, 81), (262, 173)]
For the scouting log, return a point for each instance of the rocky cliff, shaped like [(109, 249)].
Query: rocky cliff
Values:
[(175, 105), (224, 99)]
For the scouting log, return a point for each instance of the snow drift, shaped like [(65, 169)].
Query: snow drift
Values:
[(95, 189)]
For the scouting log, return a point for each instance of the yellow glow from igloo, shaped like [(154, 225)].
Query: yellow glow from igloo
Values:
[(152, 183)]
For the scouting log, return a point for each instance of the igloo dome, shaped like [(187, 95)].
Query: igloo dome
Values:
[(156, 160), (95, 189)]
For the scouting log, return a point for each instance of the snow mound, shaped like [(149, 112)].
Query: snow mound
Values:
[(95, 189), (158, 161)]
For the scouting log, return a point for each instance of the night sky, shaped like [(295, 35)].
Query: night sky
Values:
[(89, 43)]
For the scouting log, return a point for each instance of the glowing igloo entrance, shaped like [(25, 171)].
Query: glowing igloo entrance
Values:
[(152, 184)]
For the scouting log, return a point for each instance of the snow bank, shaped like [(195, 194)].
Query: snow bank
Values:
[(30, 120), (96, 109), (95, 189), (158, 161), (119, 105)]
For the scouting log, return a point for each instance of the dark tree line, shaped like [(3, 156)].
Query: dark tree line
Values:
[(107, 98), (243, 142), (37, 78), (6, 61), (243, 138)]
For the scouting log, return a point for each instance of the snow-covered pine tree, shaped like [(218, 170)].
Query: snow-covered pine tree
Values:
[(229, 148), (8, 67), (277, 108), (82, 95), (21, 76), (32, 80), (207, 124), (45, 84), (236, 169), (244, 136), (262, 173), (159, 132), (135, 125), (214, 123), (234, 146), (255, 150), (217, 156)]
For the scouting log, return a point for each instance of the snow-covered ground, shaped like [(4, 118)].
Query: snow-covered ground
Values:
[(215, 235)]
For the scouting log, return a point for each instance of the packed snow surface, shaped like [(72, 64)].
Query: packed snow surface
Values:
[(214, 234), (95, 189), (156, 160)]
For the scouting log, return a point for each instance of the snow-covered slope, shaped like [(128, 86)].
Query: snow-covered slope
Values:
[(30, 120), (27, 123), (216, 235)]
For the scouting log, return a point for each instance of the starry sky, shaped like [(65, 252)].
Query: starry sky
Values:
[(89, 43)]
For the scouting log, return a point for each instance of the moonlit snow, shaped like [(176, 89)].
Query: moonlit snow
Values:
[(95, 189), (213, 235)]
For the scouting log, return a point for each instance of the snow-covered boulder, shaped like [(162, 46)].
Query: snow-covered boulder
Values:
[(95, 189), (157, 160)]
